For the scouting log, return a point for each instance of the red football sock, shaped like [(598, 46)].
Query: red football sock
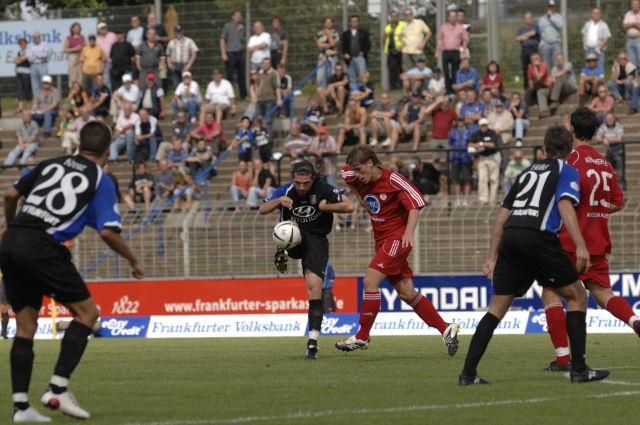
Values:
[(557, 328), (368, 312), (621, 309), (428, 313)]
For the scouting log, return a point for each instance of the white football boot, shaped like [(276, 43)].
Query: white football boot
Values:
[(65, 402), (29, 415)]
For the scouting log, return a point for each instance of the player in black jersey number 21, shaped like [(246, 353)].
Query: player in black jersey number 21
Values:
[(62, 195), (311, 202)]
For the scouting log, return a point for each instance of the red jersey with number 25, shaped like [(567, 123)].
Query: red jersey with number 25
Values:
[(598, 190), (390, 198)]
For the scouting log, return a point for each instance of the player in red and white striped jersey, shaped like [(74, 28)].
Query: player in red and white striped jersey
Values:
[(394, 207)]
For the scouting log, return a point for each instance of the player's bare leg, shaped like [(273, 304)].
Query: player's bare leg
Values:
[(314, 291), (557, 328), (614, 304)]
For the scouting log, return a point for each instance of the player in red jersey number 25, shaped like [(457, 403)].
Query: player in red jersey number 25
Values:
[(394, 206)]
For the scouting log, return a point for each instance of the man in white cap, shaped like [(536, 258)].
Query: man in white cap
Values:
[(187, 97), (38, 55), (45, 105), (105, 39), (128, 92)]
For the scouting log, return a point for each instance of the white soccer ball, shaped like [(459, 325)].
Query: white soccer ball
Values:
[(287, 234)]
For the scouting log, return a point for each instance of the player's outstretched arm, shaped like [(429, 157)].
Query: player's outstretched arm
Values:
[(345, 206), (116, 243), (496, 235), (11, 198), (568, 214)]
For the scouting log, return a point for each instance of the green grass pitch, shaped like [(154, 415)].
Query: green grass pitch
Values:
[(398, 380)]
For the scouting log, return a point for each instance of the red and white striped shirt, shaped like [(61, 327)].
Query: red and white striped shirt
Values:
[(390, 199)]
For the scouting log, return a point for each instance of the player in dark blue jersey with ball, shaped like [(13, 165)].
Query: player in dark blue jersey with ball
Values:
[(62, 196), (525, 247)]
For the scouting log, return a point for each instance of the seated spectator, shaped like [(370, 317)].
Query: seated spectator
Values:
[(516, 165), (591, 77), (426, 177), (443, 118), (211, 132), (163, 181), (384, 120), (324, 147), (467, 77), (178, 155), (286, 87), (180, 128), (124, 135), (471, 111), (264, 184), (152, 97), (100, 100), (602, 104), (127, 92), (76, 99), (187, 97), (241, 181), (623, 76), (364, 90), (492, 80), (146, 141), (183, 190), (253, 95), (460, 160), (486, 143), (610, 135), (45, 106), (354, 125), (501, 121), (65, 122), (243, 141), (396, 164), (312, 118), (565, 121), (487, 100), (416, 78), (334, 95), (31, 164), (220, 97), (297, 143), (436, 87), (200, 157), (263, 141), (412, 117), (539, 83), (461, 99), (140, 188), (28, 143), (520, 112), (71, 136), (563, 79)]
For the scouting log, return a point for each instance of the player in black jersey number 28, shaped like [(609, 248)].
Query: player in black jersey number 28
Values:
[(311, 202), (62, 195)]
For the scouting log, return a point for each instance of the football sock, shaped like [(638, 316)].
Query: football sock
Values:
[(315, 318), (427, 312), (557, 328), (73, 344), (368, 312), (479, 343), (577, 330), (621, 309), (5, 323), (21, 367)]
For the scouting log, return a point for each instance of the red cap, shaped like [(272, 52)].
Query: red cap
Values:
[(150, 76)]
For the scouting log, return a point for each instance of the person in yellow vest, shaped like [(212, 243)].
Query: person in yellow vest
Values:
[(393, 49)]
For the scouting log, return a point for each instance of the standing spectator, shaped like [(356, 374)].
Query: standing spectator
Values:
[(71, 137), (501, 121), (623, 76), (241, 181), (135, 35), (436, 87), (412, 117), (336, 91), (23, 75), (93, 61), (393, 48), (279, 42), (563, 79), (259, 45), (492, 79), (264, 184), (200, 157), (550, 25), (150, 57), (297, 143), (105, 40), (459, 138), (485, 141), (121, 59), (415, 36), (27, 135), (100, 99), (324, 148), (453, 39), (38, 55), (232, 42), (211, 131), (178, 155), (603, 104), (631, 25), (152, 97), (355, 50), (250, 111), (145, 137), (471, 111), (244, 141), (591, 77), (124, 134), (163, 181), (596, 35), (269, 93), (443, 118), (354, 127), (539, 82), (286, 88), (73, 45), (161, 35), (487, 100), (529, 38), (425, 177), (220, 97), (520, 112), (610, 135), (467, 77), (515, 167), (140, 188), (46, 105), (181, 55), (327, 42), (384, 120), (187, 97), (416, 78), (128, 92)]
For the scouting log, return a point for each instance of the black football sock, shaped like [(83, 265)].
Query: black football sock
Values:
[(21, 367), (577, 331), (5, 323), (479, 343), (73, 344), (315, 318)]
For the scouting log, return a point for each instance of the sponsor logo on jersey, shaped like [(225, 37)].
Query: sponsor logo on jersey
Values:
[(131, 327), (374, 203), (574, 186), (304, 211)]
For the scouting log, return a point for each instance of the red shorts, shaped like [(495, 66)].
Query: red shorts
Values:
[(598, 273), (391, 260)]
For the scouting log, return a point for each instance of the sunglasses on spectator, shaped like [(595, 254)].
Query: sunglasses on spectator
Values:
[(592, 60)]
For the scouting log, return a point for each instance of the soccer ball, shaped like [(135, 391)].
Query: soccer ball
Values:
[(287, 235)]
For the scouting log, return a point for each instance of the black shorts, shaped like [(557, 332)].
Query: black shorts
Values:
[(525, 255), (246, 156), (313, 251), (460, 173), (265, 152), (34, 264), (352, 137)]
